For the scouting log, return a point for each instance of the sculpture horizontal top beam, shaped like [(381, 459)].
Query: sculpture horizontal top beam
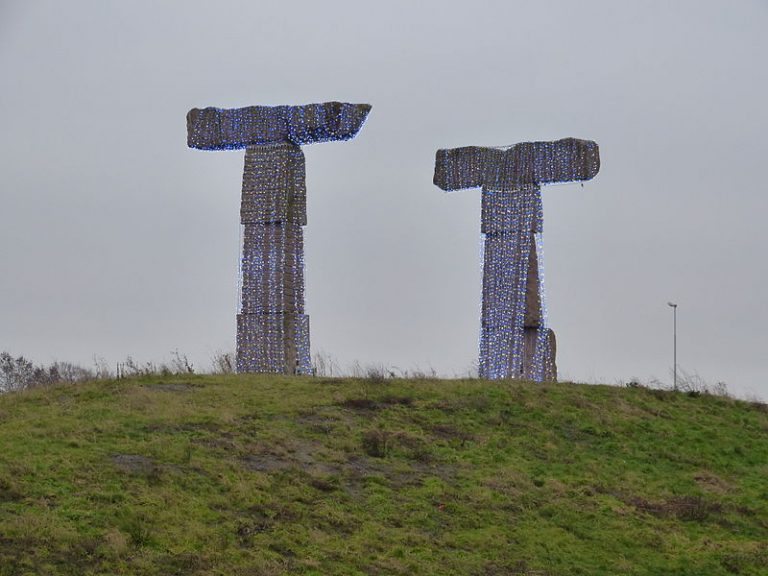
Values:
[(509, 168), (228, 129)]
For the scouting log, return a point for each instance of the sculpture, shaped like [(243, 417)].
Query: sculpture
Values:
[(272, 327), (515, 340)]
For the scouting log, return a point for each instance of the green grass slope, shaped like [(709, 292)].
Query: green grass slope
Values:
[(258, 475)]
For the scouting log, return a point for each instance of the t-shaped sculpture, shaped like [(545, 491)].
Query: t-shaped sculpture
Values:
[(515, 341), (272, 328)]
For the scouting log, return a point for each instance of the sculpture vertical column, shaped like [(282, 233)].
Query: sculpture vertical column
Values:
[(272, 326), (512, 297)]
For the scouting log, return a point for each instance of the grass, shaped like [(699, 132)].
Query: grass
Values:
[(266, 475)]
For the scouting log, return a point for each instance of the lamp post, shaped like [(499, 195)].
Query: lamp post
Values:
[(674, 366)]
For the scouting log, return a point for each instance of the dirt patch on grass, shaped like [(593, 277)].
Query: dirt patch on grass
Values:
[(371, 405), (319, 423), (450, 432), (687, 508), (305, 455), (350, 475), (138, 465), (712, 483), (360, 467), (379, 443), (358, 470), (172, 387), (360, 404), (132, 462)]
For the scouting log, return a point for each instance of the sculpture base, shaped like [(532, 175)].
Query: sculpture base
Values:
[(542, 368), (503, 356), (273, 343)]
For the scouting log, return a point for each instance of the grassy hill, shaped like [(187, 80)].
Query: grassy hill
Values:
[(261, 475)]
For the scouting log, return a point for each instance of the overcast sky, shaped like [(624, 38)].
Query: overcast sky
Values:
[(116, 239)]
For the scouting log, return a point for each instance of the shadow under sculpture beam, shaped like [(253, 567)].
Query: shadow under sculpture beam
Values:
[(515, 340), (272, 327)]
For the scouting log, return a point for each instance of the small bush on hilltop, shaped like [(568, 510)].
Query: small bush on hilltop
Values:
[(20, 374)]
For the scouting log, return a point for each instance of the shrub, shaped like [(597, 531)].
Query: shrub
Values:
[(19, 373)]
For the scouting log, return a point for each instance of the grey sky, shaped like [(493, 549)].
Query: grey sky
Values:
[(117, 239)]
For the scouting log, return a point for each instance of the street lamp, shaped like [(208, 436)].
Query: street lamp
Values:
[(674, 366)]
